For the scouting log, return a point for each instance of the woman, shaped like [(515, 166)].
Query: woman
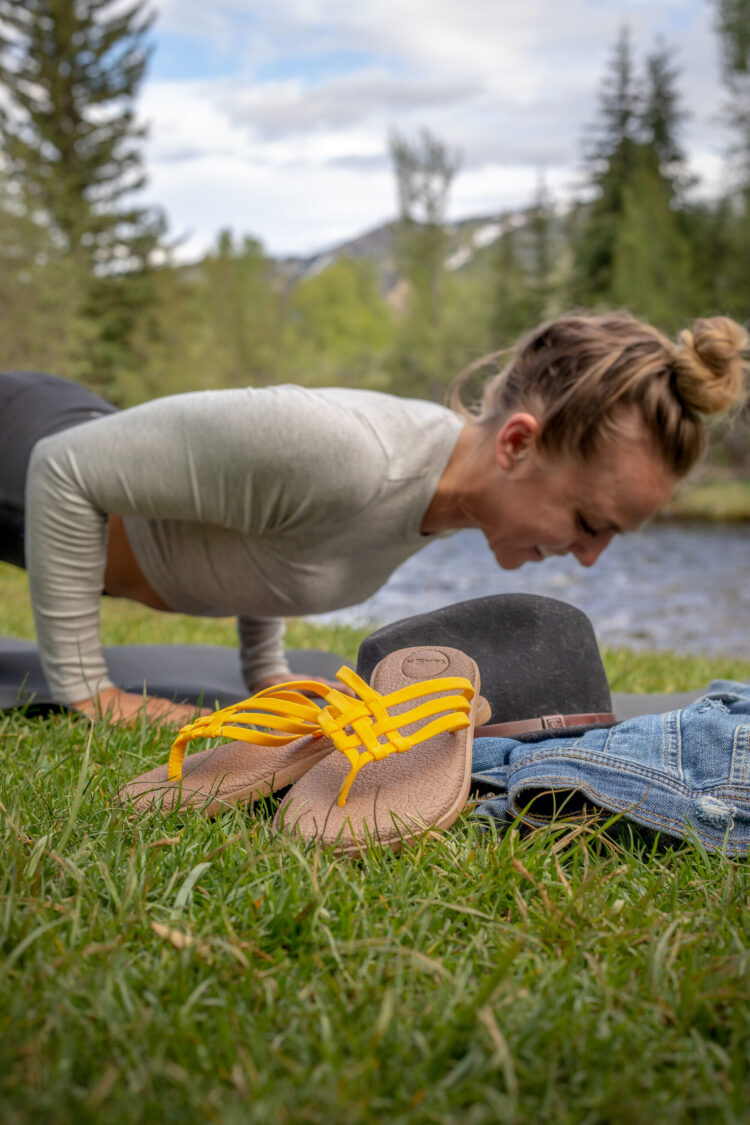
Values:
[(281, 501)]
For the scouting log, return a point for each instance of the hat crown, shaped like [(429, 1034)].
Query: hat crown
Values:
[(536, 655)]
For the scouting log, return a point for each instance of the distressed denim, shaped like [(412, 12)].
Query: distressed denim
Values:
[(684, 773)]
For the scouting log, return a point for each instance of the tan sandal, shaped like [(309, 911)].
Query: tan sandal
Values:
[(253, 765), (421, 700)]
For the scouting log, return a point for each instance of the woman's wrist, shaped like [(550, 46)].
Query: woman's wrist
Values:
[(272, 680)]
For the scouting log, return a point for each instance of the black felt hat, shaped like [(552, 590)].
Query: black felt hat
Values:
[(538, 659)]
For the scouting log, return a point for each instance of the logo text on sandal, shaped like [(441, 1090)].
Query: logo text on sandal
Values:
[(425, 663)]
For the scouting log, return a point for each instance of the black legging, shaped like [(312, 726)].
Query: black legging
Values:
[(33, 406)]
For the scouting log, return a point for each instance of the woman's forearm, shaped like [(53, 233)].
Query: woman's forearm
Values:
[(66, 549), (262, 649)]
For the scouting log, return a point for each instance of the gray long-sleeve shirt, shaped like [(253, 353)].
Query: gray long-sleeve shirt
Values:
[(264, 503)]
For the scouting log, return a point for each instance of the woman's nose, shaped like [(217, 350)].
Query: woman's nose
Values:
[(587, 553)]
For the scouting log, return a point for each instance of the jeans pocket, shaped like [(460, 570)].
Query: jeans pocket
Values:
[(739, 770)]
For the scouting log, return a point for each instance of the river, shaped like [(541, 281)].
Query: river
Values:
[(670, 586)]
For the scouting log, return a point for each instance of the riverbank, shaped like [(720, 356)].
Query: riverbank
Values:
[(127, 623), (715, 500)]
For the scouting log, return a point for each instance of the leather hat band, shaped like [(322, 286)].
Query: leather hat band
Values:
[(544, 722)]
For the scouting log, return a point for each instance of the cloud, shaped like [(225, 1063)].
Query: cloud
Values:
[(186, 153), (289, 213), (288, 109), (293, 145), (374, 162)]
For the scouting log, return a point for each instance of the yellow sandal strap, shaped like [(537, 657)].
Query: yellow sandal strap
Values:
[(350, 722), (280, 708), (354, 723), (412, 691)]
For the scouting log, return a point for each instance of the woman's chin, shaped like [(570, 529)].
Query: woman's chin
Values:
[(510, 560)]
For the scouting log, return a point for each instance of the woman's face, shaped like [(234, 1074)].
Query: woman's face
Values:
[(541, 505)]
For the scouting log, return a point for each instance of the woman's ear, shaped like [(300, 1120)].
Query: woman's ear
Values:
[(516, 439)]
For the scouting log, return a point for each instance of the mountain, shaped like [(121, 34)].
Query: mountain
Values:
[(469, 242)]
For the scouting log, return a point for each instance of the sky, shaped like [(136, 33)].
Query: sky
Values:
[(272, 117)]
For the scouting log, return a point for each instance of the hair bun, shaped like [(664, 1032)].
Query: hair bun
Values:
[(710, 363)]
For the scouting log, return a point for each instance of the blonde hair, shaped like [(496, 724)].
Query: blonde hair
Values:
[(576, 374)]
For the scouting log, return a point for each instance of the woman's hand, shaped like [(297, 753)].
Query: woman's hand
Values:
[(127, 707)]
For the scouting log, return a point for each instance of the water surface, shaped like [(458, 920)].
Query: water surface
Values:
[(678, 586)]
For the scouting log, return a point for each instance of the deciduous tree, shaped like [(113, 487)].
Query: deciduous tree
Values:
[(425, 169)]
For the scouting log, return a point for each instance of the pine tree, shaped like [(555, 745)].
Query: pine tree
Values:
[(70, 71), (662, 115), (216, 323), (637, 171), (242, 305), (172, 342), (614, 134), (540, 223), (652, 269), (516, 302), (41, 290), (733, 26), (611, 156)]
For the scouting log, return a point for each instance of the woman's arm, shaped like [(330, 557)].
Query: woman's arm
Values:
[(262, 651), (66, 536), (188, 457), (243, 460)]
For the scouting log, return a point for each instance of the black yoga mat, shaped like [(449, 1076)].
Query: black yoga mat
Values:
[(194, 673), (627, 705), (211, 673)]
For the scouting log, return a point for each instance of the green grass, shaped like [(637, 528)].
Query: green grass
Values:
[(179, 970), (718, 500), (128, 623)]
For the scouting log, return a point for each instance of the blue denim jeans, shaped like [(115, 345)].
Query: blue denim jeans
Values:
[(684, 773)]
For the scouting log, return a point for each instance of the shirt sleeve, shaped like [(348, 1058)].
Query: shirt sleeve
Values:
[(261, 649), (66, 543), (239, 459)]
